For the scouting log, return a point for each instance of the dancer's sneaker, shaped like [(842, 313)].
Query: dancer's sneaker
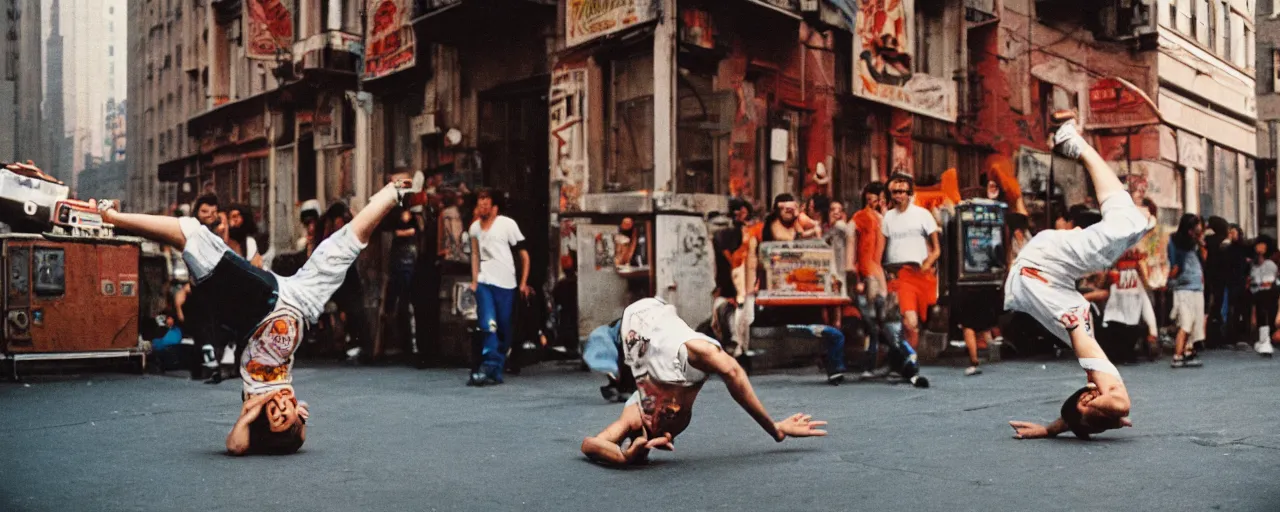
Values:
[(609, 392), (1066, 137), (919, 381), (1193, 361), (972, 370), (835, 378), (1178, 362)]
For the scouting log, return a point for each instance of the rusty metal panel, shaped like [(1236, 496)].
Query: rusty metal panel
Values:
[(83, 297), (602, 292)]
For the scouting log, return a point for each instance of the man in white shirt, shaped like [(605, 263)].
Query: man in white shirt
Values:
[(493, 279), (266, 312), (910, 252), (671, 362), (1042, 283)]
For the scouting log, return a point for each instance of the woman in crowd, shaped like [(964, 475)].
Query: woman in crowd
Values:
[(1262, 281)]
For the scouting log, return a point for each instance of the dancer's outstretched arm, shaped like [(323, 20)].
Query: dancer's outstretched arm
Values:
[(709, 358)]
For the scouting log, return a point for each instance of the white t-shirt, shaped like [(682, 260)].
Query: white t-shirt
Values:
[(250, 248), (653, 343), (1262, 274), (907, 235), (497, 266)]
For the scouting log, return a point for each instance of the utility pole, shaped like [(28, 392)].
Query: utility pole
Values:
[(362, 104), (664, 88)]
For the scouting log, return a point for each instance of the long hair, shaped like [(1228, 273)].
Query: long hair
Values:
[(1182, 239), (248, 226)]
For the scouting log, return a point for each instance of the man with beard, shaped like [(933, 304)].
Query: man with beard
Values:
[(782, 224)]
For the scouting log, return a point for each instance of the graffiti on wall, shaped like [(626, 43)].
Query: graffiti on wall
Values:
[(568, 105), (390, 36), (684, 266), (268, 25), (882, 52), (588, 19)]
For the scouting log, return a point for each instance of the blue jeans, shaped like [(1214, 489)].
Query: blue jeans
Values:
[(831, 338), (493, 311)]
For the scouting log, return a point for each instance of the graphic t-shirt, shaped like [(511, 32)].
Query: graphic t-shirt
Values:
[(267, 363), (1127, 293), (653, 345), (497, 265)]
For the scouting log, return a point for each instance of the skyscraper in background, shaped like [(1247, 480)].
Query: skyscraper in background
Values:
[(93, 76)]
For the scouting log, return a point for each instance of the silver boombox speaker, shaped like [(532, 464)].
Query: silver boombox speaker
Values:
[(464, 301)]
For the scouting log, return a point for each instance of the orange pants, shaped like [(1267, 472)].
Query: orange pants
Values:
[(916, 290)]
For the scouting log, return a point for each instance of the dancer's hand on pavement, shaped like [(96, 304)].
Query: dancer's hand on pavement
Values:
[(1028, 430), (800, 425), (660, 443)]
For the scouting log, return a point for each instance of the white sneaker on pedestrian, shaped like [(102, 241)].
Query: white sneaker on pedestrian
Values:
[(972, 370), (1264, 348)]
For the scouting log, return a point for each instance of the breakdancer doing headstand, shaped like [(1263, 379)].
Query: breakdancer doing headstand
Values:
[(671, 362), (265, 311), (1041, 283)]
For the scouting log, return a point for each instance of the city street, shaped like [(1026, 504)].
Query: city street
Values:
[(391, 438)]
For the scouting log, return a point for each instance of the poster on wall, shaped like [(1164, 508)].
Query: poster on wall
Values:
[(390, 38), (804, 269), (1116, 103), (268, 27), (588, 19), (882, 50), (568, 104)]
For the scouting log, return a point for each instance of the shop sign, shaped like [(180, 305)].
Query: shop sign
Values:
[(268, 27), (883, 72), (391, 41), (589, 19)]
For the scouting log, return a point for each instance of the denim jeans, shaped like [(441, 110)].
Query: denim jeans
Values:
[(602, 349), (493, 311), (832, 339)]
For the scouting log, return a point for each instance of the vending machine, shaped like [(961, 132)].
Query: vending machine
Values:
[(974, 254)]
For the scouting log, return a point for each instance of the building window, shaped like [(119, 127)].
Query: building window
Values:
[(931, 37), (1173, 13), (1197, 18), (111, 50), (629, 132), (258, 192), (702, 135), (1227, 43), (1275, 70), (1249, 56)]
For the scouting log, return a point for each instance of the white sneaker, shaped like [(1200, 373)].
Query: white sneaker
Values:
[(1066, 139), (1264, 348), (972, 370)]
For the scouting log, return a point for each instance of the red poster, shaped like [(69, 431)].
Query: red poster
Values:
[(1115, 103), (390, 39), (268, 29)]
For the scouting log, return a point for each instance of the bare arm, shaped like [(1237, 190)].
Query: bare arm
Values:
[(524, 271), (606, 447), (709, 358), (1115, 397), (238, 438), (1028, 430), (935, 251), (404, 233), (880, 243), (475, 262), (180, 299)]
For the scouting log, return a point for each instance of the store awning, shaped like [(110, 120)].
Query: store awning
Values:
[(174, 171)]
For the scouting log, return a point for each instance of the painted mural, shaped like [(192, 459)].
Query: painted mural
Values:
[(882, 50), (390, 36), (268, 27)]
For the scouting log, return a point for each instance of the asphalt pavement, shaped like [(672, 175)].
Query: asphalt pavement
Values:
[(390, 438)]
